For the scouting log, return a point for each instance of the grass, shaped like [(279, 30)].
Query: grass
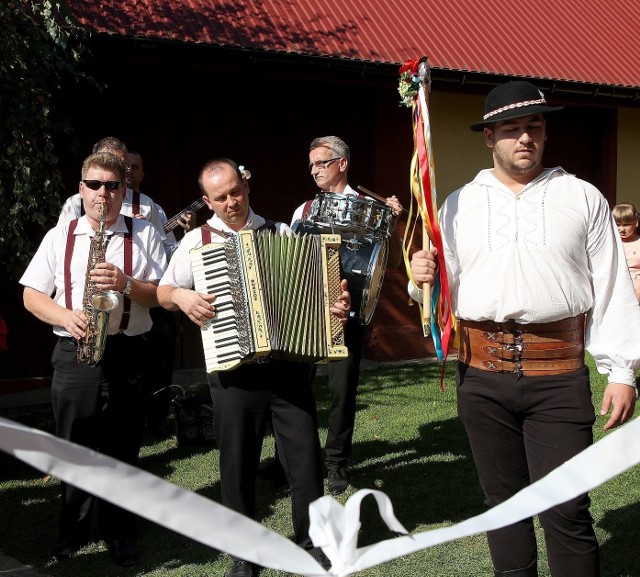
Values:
[(408, 443)]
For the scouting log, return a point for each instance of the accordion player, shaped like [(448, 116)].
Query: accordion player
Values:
[(273, 295)]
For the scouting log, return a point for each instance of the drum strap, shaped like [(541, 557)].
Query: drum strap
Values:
[(306, 209), (135, 203)]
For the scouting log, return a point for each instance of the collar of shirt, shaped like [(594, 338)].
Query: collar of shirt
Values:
[(84, 227), (254, 221), (486, 178)]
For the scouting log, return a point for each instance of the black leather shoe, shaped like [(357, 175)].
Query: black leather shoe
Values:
[(273, 472), (337, 480), (63, 549), (123, 552), (242, 568), (320, 558)]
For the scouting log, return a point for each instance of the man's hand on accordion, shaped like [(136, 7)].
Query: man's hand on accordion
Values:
[(342, 306), (197, 306)]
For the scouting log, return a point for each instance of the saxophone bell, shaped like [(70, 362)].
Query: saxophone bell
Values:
[(103, 303)]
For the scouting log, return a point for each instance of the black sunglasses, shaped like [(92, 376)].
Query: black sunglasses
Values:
[(98, 184)]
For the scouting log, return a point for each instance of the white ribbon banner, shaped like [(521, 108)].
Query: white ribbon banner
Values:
[(333, 527)]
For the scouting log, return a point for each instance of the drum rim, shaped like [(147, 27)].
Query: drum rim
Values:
[(380, 266)]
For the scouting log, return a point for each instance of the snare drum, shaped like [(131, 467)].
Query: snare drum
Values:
[(350, 213), (363, 264), (364, 270)]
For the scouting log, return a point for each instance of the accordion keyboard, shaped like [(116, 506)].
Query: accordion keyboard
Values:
[(221, 338)]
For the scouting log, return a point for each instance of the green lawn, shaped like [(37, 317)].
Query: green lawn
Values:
[(408, 443)]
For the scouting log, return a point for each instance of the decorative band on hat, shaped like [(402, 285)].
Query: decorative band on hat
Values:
[(515, 105)]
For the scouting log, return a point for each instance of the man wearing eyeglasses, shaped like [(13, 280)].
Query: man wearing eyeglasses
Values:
[(99, 406), (329, 159)]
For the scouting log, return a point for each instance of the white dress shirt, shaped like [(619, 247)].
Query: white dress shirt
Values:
[(548, 253), (45, 272)]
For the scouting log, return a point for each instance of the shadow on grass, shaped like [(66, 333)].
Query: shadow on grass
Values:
[(618, 559), (427, 470), (29, 500)]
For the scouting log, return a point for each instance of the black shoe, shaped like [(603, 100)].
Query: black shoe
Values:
[(320, 558), (273, 472), (337, 480), (63, 549), (158, 431), (59, 555), (242, 568), (123, 552)]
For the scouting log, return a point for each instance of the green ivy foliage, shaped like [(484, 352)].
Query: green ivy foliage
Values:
[(41, 47)]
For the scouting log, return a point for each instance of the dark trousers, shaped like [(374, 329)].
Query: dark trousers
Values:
[(101, 408), (243, 401), (162, 346), (344, 377), (520, 429)]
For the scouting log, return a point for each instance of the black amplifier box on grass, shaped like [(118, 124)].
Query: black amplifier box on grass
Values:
[(194, 419)]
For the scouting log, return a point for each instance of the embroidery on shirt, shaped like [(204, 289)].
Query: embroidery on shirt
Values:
[(517, 219)]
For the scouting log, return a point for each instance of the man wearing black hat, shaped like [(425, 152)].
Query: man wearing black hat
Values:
[(537, 274)]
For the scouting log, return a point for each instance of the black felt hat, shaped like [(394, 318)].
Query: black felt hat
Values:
[(513, 100)]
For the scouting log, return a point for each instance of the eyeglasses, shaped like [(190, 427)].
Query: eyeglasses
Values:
[(320, 164), (98, 184)]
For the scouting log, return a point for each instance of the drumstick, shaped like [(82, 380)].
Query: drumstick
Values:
[(376, 196)]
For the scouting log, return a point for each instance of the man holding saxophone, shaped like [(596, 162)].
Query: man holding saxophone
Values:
[(99, 360)]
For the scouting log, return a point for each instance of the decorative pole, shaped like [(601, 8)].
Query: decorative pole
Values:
[(436, 313)]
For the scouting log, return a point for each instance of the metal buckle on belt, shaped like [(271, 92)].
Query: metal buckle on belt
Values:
[(516, 348)]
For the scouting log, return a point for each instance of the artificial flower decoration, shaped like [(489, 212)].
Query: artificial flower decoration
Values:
[(409, 84), (246, 174)]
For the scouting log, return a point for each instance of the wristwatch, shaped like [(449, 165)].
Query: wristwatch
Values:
[(126, 290)]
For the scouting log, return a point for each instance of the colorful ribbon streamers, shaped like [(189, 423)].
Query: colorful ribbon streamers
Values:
[(414, 75)]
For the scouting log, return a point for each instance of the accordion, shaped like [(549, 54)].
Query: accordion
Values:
[(273, 295)]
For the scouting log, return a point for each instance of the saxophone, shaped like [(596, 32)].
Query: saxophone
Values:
[(97, 305)]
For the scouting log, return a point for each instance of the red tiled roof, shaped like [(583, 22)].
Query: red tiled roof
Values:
[(585, 41)]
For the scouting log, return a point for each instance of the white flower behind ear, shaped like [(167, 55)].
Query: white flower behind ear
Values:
[(245, 173)]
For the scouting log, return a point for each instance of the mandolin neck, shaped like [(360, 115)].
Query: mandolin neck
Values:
[(174, 220)]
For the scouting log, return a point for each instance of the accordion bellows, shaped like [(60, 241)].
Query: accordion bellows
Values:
[(273, 295)]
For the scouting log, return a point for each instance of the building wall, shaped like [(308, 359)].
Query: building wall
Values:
[(628, 170), (180, 111)]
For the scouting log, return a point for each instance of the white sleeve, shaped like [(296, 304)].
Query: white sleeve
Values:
[(297, 215), (71, 209), (616, 351), (414, 291)]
